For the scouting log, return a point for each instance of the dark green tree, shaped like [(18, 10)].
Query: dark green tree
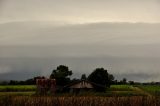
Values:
[(124, 80), (83, 77), (62, 75), (111, 78), (99, 76), (131, 82)]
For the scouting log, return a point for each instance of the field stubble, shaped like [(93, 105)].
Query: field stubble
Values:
[(80, 101)]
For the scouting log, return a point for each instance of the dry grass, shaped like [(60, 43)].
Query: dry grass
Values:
[(79, 101)]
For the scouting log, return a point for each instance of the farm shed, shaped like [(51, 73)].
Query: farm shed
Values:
[(84, 85)]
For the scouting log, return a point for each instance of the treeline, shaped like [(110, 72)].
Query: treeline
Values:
[(31, 81), (62, 75)]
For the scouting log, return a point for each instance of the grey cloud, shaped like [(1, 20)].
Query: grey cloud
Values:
[(37, 35), (24, 33), (22, 39), (125, 49), (75, 11)]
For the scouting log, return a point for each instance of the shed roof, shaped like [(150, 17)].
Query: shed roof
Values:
[(84, 84)]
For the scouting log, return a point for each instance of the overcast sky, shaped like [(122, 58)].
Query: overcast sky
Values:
[(122, 36)]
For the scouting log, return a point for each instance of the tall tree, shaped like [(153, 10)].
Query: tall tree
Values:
[(111, 78), (99, 76), (62, 75), (124, 80), (83, 77)]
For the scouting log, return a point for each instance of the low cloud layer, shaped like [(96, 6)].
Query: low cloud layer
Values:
[(137, 69)]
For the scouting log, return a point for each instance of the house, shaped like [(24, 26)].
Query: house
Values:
[(84, 85)]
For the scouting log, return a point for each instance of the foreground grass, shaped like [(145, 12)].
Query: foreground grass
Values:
[(79, 101)]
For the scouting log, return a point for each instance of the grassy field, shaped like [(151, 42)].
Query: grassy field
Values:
[(114, 90), (152, 89), (17, 88), (116, 95), (121, 88), (17, 93)]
